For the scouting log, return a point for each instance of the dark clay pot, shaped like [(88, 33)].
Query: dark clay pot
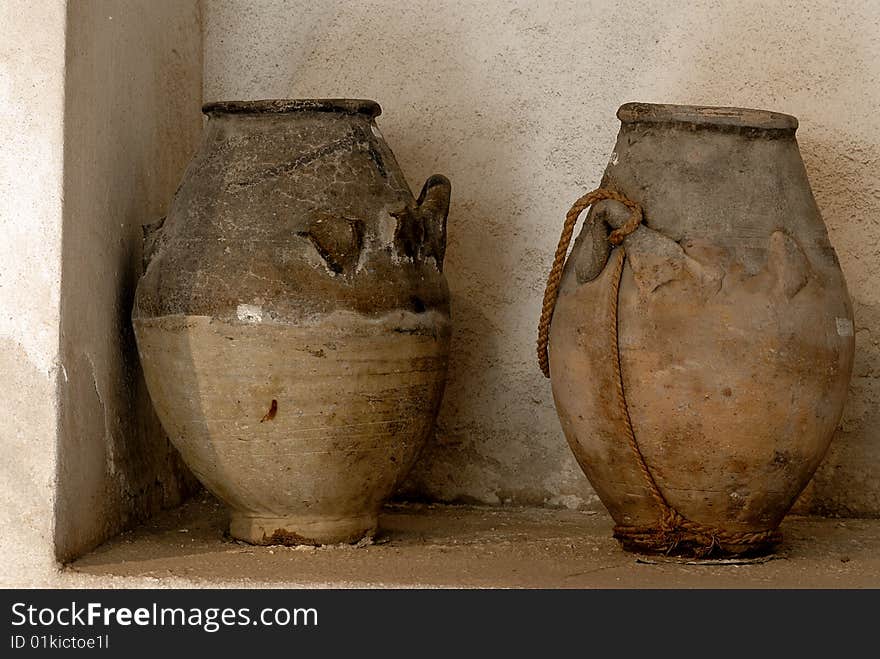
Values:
[(733, 325), (293, 319)]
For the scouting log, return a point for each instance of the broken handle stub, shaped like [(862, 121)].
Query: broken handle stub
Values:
[(152, 241), (433, 205)]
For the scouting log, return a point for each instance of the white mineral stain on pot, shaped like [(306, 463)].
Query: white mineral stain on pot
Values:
[(387, 226), (249, 313), (844, 327)]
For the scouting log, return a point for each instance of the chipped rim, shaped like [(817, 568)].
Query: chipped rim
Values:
[(287, 106), (703, 115)]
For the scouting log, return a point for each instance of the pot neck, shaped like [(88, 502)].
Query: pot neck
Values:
[(745, 121), (293, 107)]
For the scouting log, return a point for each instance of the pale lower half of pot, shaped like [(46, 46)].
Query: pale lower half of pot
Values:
[(303, 431)]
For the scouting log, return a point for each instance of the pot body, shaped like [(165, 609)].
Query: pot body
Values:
[(734, 325), (293, 318)]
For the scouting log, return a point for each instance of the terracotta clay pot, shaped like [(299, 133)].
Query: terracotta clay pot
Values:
[(733, 330), (293, 319)]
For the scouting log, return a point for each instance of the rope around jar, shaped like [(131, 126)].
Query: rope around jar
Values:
[(672, 529)]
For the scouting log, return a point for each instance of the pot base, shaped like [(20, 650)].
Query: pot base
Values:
[(683, 546), (301, 529)]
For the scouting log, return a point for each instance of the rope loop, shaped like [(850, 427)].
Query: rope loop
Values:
[(555, 277)]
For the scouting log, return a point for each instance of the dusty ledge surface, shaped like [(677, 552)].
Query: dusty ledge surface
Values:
[(432, 546)]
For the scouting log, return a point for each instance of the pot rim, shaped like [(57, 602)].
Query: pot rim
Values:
[(291, 105), (705, 115)]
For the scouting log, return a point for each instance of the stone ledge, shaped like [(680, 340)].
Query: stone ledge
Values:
[(428, 546)]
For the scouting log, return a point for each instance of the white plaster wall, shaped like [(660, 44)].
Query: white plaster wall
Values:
[(132, 121), (31, 136), (515, 102), (99, 114)]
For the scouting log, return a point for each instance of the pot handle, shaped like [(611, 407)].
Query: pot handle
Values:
[(433, 205), (152, 240), (555, 277)]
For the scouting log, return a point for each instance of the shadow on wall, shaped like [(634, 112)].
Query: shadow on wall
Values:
[(496, 441), (846, 184), (456, 464)]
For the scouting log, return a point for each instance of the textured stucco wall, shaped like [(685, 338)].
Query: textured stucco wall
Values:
[(515, 102), (132, 121), (99, 113), (31, 135)]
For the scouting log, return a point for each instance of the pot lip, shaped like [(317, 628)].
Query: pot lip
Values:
[(291, 105), (706, 115)]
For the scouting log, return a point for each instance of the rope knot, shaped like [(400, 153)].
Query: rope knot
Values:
[(671, 520)]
